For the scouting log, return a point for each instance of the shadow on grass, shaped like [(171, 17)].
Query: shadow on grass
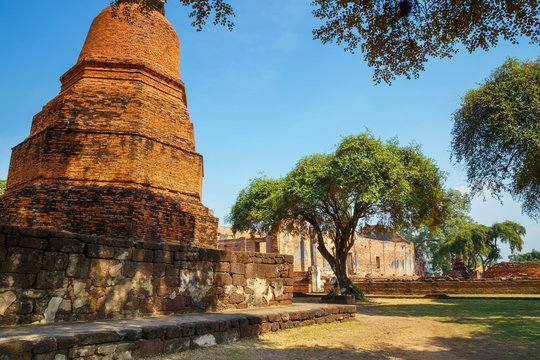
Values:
[(498, 318), (440, 349)]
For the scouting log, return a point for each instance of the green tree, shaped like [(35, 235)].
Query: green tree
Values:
[(364, 185), (427, 243), (496, 134), (534, 255), (471, 243), (2, 186), (478, 244), (397, 37)]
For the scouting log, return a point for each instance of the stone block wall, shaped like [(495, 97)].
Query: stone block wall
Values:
[(49, 276), (147, 337)]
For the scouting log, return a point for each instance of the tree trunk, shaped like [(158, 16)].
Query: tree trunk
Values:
[(338, 263), (346, 286)]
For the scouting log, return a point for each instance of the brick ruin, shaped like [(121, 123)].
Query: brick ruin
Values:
[(442, 285), (373, 255), (102, 216), (114, 153), (523, 269)]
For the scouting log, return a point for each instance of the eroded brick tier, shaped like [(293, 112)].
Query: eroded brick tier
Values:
[(114, 152)]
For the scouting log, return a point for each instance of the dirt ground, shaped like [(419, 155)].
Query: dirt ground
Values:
[(376, 336)]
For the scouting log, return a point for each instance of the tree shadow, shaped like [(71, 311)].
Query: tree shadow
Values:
[(451, 348), (499, 318)]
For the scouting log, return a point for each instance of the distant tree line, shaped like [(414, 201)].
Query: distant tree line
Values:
[(533, 255)]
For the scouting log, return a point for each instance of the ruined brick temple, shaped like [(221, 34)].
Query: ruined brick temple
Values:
[(373, 254), (114, 154)]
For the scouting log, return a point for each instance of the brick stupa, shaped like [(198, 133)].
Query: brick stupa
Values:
[(114, 153)]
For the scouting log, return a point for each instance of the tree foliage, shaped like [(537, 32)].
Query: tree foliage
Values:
[(364, 185), (397, 37), (201, 11), (428, 243), (2, 186), (533, 255), (478, 244), (497, 134)]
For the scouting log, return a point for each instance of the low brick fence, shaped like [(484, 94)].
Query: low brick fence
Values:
[(443, 286), (49, 276), (505, 269)]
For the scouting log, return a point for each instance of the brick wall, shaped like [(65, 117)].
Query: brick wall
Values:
[(374, 255), (48, 276), (105, 210), (442, 286), (503, 269)]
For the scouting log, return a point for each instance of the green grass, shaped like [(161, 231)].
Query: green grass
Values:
[(497, 295), (419, 296), (511, 319)]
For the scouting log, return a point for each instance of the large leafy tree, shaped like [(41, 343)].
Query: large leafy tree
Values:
[(397, 37), (496, 134), (365, 184), (428, 243), (478, 244)]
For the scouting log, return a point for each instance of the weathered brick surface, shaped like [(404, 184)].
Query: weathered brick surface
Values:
[(78, 277), (442, 286), (373, 255), (114, 153), (504, 269)]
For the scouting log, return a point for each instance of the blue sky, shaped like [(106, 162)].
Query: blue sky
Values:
[(260, 97)]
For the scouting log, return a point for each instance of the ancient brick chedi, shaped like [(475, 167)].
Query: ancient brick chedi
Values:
[(114, 154)]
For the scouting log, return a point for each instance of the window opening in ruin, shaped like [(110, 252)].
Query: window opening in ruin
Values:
[(378, 262)]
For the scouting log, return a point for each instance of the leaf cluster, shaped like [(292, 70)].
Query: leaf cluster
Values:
[(496, 134), (3, 186), (364, 183), (398, 37), (201, 11)]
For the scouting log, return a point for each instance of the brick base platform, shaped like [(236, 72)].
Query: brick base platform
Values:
[(125, 212), (127, 339)]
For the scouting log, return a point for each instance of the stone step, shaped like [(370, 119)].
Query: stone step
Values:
[(128, 339)]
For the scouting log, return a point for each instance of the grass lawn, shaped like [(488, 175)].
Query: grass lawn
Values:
[(498, 295), (419, 329)]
